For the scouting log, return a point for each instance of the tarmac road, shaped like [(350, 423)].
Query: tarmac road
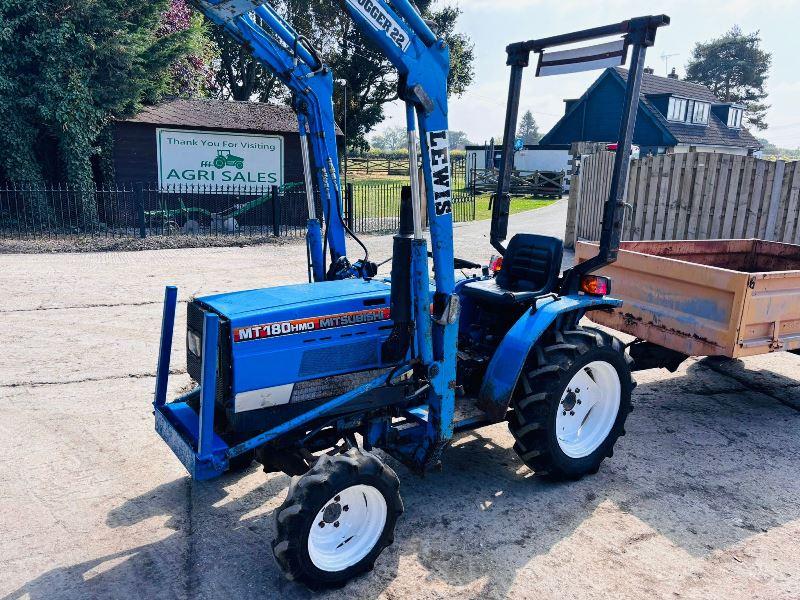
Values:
[(701, 500)]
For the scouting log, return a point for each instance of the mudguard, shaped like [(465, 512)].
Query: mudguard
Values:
[(509, 358)]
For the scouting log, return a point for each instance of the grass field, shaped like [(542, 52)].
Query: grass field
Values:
[(358, 179), (376, 196), (518, 204), (377, 200)]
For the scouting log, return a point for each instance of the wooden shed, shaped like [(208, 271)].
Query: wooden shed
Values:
[(213, 142)]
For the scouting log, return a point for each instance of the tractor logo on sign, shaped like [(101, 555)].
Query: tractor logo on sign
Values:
[(224, 159)]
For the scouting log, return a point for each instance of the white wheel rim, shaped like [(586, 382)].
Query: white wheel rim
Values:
[(347, 528), (588, 409)]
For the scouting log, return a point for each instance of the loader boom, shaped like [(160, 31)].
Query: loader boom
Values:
[(422, 61)]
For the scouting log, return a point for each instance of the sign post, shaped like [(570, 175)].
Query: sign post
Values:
[(246, 162)]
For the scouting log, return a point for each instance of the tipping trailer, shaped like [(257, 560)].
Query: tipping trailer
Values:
[(682, 298)]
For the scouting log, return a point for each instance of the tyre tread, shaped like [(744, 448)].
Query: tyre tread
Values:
[(532, 404), (328, 474)]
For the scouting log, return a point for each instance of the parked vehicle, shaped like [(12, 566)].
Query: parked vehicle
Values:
[(308, 379), (682, 298)]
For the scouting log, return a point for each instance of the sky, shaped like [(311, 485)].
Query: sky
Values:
[(492, 24)]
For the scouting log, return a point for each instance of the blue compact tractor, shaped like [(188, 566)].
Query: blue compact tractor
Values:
[(310, 379)]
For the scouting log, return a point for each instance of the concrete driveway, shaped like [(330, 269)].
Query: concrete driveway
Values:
[(701, 500)]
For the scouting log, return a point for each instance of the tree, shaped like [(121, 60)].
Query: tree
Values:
[(771, 150), (371, 79), (67, 71), (458, 139), (528, 130), (391, 138), (239, 76), (191, 75), (736, 69)]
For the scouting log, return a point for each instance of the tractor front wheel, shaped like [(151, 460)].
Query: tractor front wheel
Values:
[(571, 402), (337, 519)]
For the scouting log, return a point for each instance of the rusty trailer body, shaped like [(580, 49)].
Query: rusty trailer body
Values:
[(730, 298)]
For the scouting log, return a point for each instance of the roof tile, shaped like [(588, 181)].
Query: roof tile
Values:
[(221, 114), (716, 133)]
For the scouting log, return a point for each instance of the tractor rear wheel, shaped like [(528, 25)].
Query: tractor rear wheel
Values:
[(337, 519), (571, 402)]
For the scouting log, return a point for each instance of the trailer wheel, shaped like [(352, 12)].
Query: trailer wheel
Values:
[(571, 403), (337, 519)]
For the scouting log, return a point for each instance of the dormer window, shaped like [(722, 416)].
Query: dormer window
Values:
[(701, 110), (683, 110), (735, 117), (677, 109)]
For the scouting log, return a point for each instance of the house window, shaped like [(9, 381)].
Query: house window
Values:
[(683, 110), (701, 110), (735, 118), (677, 109)]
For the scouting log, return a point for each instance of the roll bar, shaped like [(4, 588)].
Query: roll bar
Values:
[(638, 33)]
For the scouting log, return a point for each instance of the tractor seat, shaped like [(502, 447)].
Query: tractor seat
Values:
[(531, 266)]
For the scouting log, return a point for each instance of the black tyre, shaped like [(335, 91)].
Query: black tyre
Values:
[(571, 403), (337, 519)]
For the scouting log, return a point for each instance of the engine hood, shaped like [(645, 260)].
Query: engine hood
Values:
[(240, 305)]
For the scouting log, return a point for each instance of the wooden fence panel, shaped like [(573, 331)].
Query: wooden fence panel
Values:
[(695, 200), (756, 198), (627, 223), (685, 203), (678, 174), (649, 208), (779, 185), (791, 230), (734, 176), (745, 191), (665, 181), (692, 196), (783, 222)]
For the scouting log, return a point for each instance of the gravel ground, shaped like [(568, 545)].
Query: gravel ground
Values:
[(701, 499), (132, 244)]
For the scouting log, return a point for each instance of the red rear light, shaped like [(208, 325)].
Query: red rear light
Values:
[(612, 147), (595, 285), (496, 264)]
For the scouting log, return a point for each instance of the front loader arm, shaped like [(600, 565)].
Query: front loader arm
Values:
[(422, 60)]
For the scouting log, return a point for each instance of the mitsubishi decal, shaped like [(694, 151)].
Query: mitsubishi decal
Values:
[(271, 330)]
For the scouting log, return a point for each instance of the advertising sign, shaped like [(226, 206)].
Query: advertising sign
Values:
[(247, 161)]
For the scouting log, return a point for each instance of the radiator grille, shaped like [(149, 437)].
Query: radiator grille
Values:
[(349, 357), (194, 323)]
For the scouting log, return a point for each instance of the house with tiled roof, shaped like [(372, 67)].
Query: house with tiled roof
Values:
[(673, 116), (183, 141)]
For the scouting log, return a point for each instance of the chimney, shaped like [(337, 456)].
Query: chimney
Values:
[(648, 71), (673, 75)]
